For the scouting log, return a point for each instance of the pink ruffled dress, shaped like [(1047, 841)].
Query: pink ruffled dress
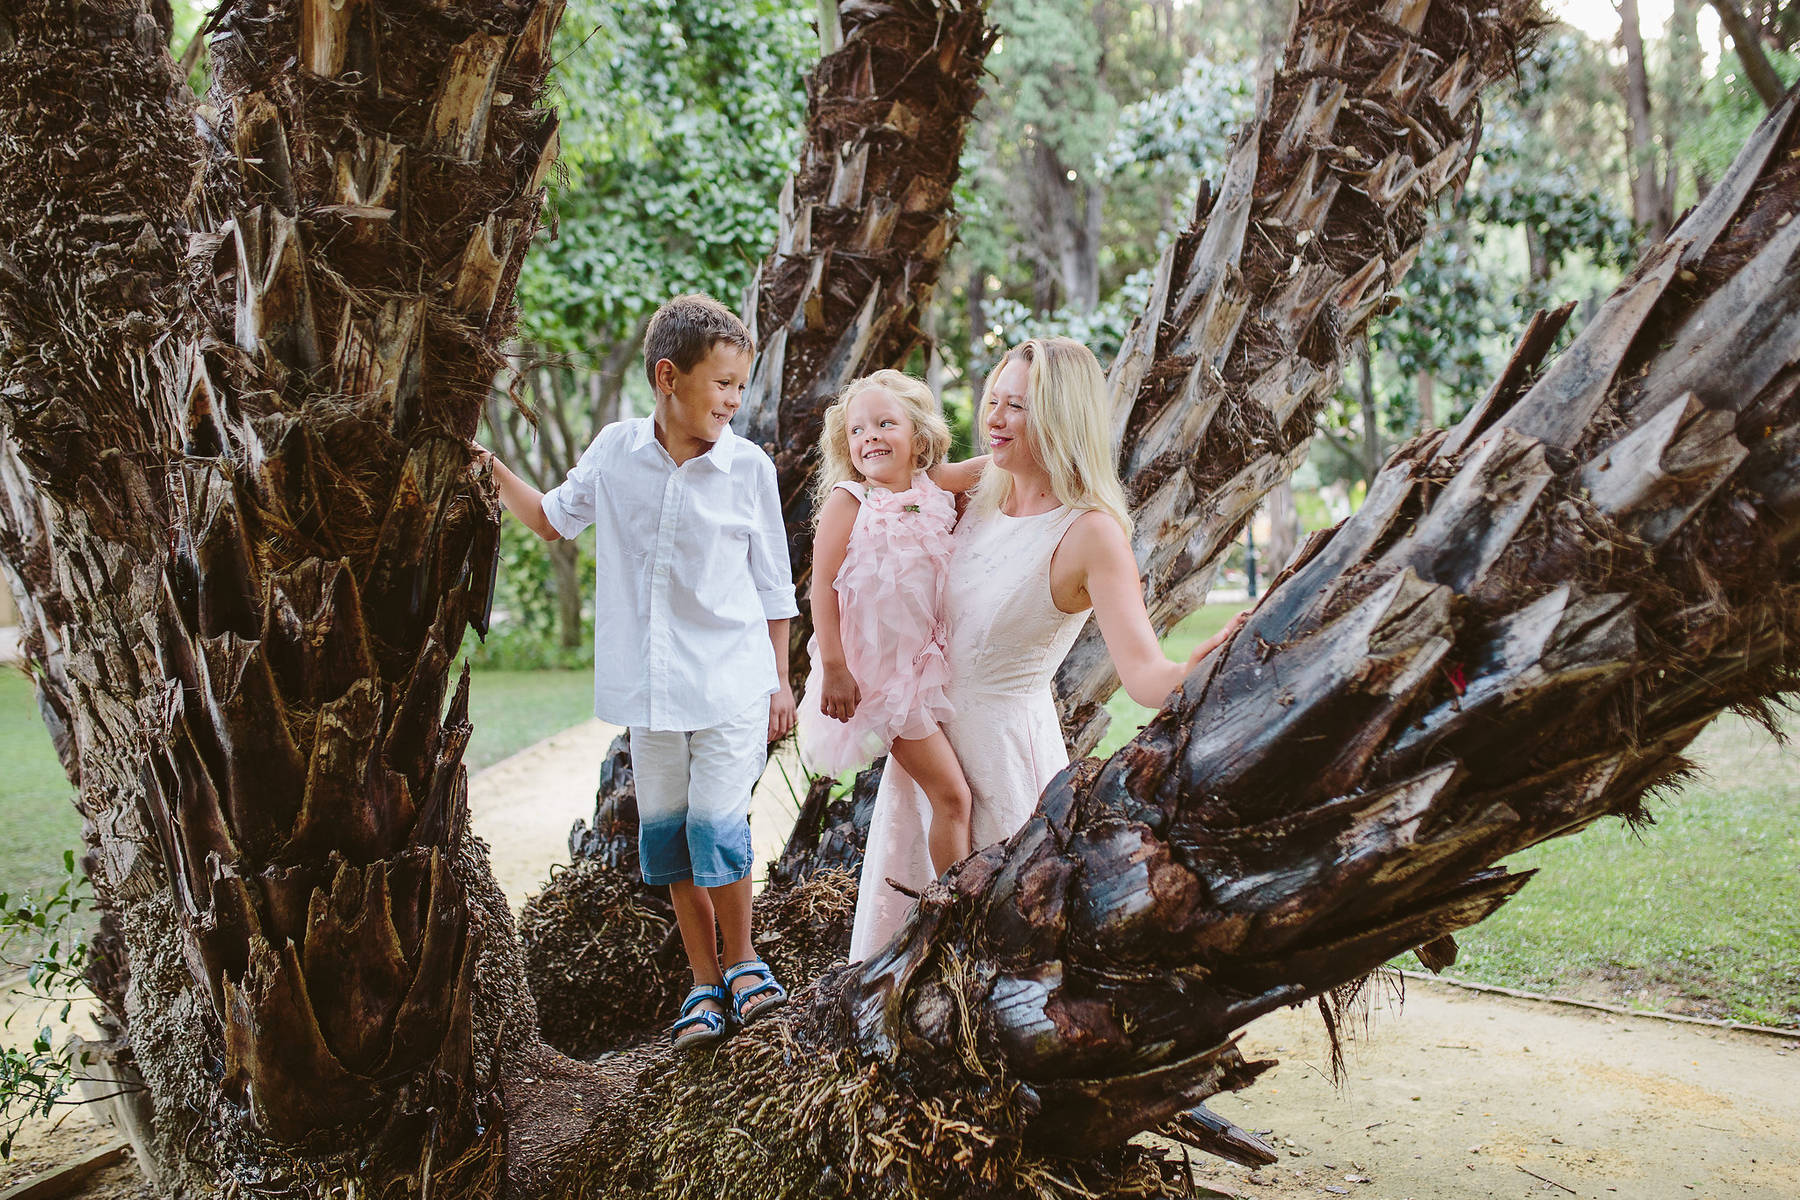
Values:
[(890, 592)]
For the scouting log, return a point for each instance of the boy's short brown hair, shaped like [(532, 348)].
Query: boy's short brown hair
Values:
[(686, 329)]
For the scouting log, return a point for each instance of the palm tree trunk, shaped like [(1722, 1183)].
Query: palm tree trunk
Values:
[(242, 369)]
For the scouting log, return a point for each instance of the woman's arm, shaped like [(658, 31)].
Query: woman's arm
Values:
[(1095, 565), (959, 477), (838, 694)]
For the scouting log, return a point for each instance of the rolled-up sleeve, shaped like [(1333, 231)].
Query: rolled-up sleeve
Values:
[(769, 568), (569, 506)]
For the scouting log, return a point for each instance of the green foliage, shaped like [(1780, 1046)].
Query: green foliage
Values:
[(525, 634), (681, 118), (1729, 110), (41, 935), (1184, 134), (1052, 61), (1102, 330)]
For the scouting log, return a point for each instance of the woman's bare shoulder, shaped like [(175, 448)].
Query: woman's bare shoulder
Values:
[(1097, 536)]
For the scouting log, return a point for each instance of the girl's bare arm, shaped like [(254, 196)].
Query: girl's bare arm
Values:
[(838, 694), (959, 477)]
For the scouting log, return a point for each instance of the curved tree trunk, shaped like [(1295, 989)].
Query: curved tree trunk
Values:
[(1516, 635)]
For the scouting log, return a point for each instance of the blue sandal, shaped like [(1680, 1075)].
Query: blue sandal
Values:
[(755, 968), (698, 1026)]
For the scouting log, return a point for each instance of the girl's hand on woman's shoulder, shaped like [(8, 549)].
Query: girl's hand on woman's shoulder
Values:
[(959, 477)]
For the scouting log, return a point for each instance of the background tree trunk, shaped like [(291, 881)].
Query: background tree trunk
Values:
[(1647, 197), (1284, 528), (1748, 44), (1070, 207)]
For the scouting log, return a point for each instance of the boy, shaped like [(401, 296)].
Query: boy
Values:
[(693, 597)]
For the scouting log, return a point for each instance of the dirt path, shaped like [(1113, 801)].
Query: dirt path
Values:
[(1455, 1095)]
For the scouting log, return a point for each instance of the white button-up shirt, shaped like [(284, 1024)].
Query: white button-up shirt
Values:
[(692, 564)]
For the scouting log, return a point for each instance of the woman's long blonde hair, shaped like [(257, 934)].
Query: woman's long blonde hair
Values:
[(1066, 426), (931, 433)]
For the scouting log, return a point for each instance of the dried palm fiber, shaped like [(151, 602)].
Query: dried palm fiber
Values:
[(785, 1108)]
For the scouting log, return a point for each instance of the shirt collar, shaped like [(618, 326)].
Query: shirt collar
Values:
[(719, 457)]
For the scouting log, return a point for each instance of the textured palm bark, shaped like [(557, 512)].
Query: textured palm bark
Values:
[(246, 344), (1517, 635), (1370, 122), (866, 220)]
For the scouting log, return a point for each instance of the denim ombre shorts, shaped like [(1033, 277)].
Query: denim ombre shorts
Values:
[(693, 794)]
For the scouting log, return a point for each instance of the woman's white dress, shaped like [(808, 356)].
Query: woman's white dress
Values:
[(1006, 640)]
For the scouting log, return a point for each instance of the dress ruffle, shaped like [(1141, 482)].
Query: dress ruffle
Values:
[(890, 592)]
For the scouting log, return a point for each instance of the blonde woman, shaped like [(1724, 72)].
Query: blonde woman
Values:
[(1044, 541), (879, 557)]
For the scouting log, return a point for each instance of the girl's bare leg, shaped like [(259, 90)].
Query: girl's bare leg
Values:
[(933, 766)]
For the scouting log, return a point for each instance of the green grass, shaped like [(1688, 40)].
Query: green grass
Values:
[(1699, 913), (513, 709), (38, 822)]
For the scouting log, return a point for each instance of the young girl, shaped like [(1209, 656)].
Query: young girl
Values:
[(884, 518)]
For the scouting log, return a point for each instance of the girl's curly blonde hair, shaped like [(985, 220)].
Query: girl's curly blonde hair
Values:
[(931, 433)]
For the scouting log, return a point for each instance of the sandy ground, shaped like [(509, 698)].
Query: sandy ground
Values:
[(1451, 1095)]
